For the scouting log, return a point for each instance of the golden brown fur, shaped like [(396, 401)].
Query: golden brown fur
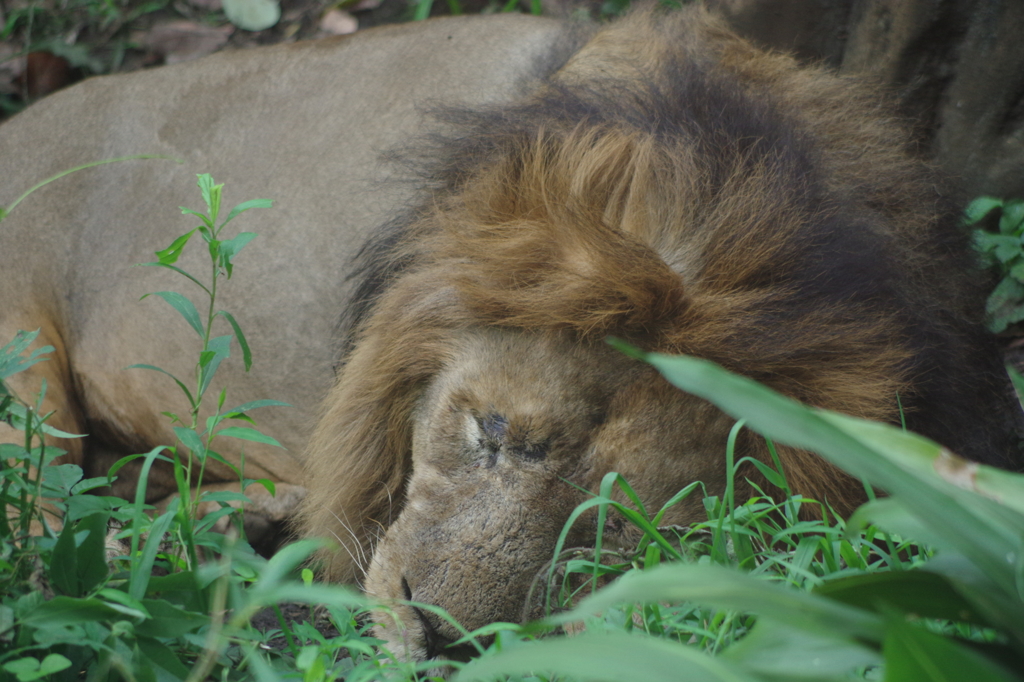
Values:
[(674, 186)]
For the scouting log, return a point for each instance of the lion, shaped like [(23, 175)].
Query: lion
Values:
[(673, 186), (659, 180)]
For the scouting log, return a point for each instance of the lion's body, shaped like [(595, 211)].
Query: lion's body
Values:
[(304, 125), (668, 184)]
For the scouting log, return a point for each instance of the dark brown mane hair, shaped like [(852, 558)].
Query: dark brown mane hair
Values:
[(695, 196)]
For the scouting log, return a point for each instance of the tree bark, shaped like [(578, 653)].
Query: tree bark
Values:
[(955, 67)]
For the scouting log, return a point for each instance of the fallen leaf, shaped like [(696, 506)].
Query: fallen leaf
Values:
[(338, 23), (208, 5), (364, 5), (44, 73), (181, 41)]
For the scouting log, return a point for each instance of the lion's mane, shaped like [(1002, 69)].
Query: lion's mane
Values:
[(676, 187)]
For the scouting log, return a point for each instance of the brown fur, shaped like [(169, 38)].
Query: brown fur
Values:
[(674, 186)]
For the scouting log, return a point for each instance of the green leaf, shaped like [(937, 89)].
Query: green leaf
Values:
[(161, 655), (142, 569), (53, 663), (127, 459), (170, 255), (178, 270), (1005, 304), (1007, 293), (18, 417), (19, 344), (1017, 270), (1013, 216), (723, 588), (318, 593), (986, 596), (11, 361), (252, 15), (282, 563), (125, 603), (245, 206), (184, 308), (92, 552), (979, 208), (422, 9), (253, 404), (217, 457), (183, 387), (61, 478), (1003, 247), (606, 656), (912, 653), (220, 346), (781, 652), (223, 496), (179, 589), (64, 567), (81, 506), (26, 193), (68, 610), (168, 620), (191, 440), (894, 517), (214, 249), (918, 592), (211, 193), (28, 669), (267, 484), (245, 433), (246, 353), (770, 474), (231, 248)]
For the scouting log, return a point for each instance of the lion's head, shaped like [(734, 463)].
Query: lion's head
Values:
[(673, 186), (507, 434)]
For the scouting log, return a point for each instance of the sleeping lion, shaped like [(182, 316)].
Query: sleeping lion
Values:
[(658, 179)]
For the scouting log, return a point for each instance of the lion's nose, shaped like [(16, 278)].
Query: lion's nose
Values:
[(434, 641)]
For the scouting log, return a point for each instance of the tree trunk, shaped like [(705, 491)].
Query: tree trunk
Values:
[(956, 68)]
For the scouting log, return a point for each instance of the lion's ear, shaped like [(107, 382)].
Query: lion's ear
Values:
[(360, 451), (556, 236)]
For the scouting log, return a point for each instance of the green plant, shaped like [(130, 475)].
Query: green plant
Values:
[(5, 211), (1003, 251), (959, 615), (71, 604), (195, 438)]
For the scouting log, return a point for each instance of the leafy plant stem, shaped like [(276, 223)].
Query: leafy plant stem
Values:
[(212, 647), (4, 212)]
